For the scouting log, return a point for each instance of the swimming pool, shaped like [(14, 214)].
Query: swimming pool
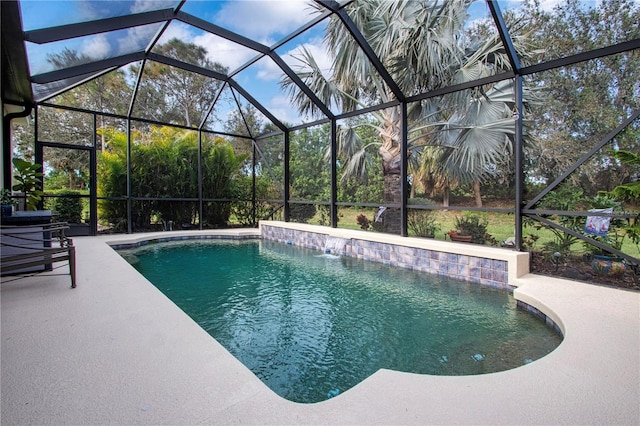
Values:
[(311, 325)]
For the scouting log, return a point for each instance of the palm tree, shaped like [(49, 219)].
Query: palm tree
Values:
[(424, 46)]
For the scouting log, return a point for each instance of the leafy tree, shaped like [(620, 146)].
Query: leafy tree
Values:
[(630, 189), (309, 173), (172, 95), (244, 121), (243, 207), (112, 178), (589, 99), (422, 45), (164, 165), (220, 168)]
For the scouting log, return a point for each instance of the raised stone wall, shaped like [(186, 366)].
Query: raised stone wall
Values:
[(491, 272)]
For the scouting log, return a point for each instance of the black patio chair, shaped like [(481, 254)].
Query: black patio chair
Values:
[(30, 249)]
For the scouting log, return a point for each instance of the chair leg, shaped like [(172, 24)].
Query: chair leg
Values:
[(72, 265)]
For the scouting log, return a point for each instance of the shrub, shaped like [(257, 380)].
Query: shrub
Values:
[(242, 208), (474, 225), (363, 221), (422, 223), (69, 207), (301, 213)]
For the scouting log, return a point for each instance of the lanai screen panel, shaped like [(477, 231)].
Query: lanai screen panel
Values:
[(110, 93), (64, 126), (600, 24), (216, 53), (56, 55), (44, 14)]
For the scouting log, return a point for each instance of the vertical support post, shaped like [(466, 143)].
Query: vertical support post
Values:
[(200, 192), (6, 151), (253, 183), (404, 165), (129, 203), (287, 209), (518, 152), (333, 208), (93, 181)]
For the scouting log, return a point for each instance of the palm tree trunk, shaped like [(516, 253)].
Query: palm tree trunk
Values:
[(391, 216), (391, 161), (476, 192), (446, 195)]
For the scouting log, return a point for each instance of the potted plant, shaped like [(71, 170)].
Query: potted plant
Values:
[(470, 228), (603, 262), (7, 202), (28, 177), (611, 232)]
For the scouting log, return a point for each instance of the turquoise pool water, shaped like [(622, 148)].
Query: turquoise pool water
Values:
[(312, 325)]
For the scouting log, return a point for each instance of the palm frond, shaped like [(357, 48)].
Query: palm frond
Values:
[(627, 157), (356, 166)]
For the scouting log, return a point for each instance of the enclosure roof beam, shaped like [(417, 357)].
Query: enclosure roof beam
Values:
[(462, 86), (258, 47), (141, 120), (301, 30), (625, 46), (221, 32), (364, 45), (301, 85), (213, 104), (507, 42), (257, 104), (88, 68), (136, 87), (73, 86), (186, 66), (280, 43), (82, 29)]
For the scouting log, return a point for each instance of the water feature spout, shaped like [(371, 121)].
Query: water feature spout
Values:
[(335, 245)]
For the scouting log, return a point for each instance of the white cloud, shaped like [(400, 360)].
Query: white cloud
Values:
[(147, 5), (281, 108), (223, 51), (267, 70), (96, 47), (136, 38), (549, 5), (319, 52), (263, 20), (177, 30)]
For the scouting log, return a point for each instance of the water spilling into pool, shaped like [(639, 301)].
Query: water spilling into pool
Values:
[(311, 326)]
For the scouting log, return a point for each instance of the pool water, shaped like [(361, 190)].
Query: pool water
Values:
[(312, 325)]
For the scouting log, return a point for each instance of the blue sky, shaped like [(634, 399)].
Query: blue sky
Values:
[(269, 21), (265, 21)]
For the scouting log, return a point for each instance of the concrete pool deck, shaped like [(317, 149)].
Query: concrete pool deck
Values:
[(115, 350)]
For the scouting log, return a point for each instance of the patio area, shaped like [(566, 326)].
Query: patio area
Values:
[(116, 351)]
